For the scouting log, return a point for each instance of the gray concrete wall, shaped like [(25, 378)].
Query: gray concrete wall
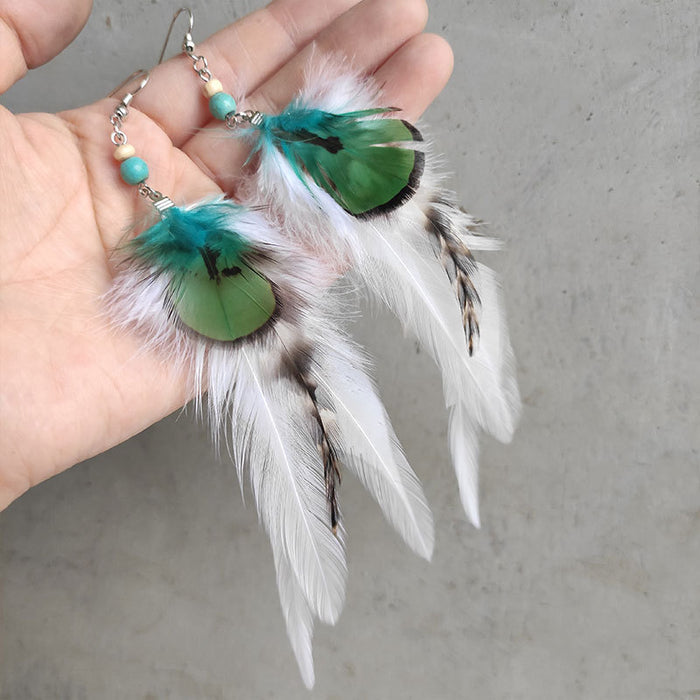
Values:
[(573, 128)]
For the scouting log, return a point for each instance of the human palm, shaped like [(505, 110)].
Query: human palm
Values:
[(72, 385)]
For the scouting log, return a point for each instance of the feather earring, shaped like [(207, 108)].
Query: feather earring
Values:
[(356, 183), (217, 290)]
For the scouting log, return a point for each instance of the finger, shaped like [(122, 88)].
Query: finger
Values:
[(370, 32), (30, 35), (416, 74), (242, 56)]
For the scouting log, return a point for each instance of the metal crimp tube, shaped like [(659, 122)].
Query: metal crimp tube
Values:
[(250, 116), (159, 201), (163, 204)]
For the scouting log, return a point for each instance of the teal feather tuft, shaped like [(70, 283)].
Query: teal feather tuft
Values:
[(174, 243)]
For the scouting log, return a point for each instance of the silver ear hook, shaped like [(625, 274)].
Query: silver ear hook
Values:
[(199, 63), (188, 45), (142, 75), (122, 109)]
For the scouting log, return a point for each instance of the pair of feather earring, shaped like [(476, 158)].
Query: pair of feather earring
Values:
[(230, 292)]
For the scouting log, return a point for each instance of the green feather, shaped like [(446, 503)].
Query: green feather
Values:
[(214, 290), (360, 162), (224, 307)]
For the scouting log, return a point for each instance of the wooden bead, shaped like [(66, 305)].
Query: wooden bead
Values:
[(126, 150), (212, 87)]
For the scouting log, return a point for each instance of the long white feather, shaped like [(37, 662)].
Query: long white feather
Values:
[(464, 447), (479, 390), (369, 445), (287, 480), (400, 271), (298, 617)]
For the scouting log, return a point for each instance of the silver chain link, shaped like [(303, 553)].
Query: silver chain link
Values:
[(121, 111), (199, 63), (118, 136), (201, 67), (148, 192)]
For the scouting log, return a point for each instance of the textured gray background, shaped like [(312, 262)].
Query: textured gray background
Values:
[(573, 128)]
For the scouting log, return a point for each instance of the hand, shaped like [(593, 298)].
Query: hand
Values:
[(72, 386)]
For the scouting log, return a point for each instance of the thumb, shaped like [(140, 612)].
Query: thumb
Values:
[(32, 32)]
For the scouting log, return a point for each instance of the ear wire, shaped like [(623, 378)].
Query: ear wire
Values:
[(133, 170)]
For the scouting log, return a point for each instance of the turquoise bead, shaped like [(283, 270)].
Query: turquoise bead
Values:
[(134, 170), (221, 104)]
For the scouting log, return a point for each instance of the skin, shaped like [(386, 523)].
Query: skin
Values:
[(72, 386)]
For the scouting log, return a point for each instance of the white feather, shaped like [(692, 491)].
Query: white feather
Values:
[(298, 617), (288, 484), (464, 447), (401, 271), (370, 447)]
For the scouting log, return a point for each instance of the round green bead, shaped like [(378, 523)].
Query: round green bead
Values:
[(221, 104), (134, 170)]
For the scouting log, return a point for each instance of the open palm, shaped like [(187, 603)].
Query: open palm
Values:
[(73, 386)]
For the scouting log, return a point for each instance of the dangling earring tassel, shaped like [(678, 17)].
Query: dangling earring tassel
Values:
[(356, 183)]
